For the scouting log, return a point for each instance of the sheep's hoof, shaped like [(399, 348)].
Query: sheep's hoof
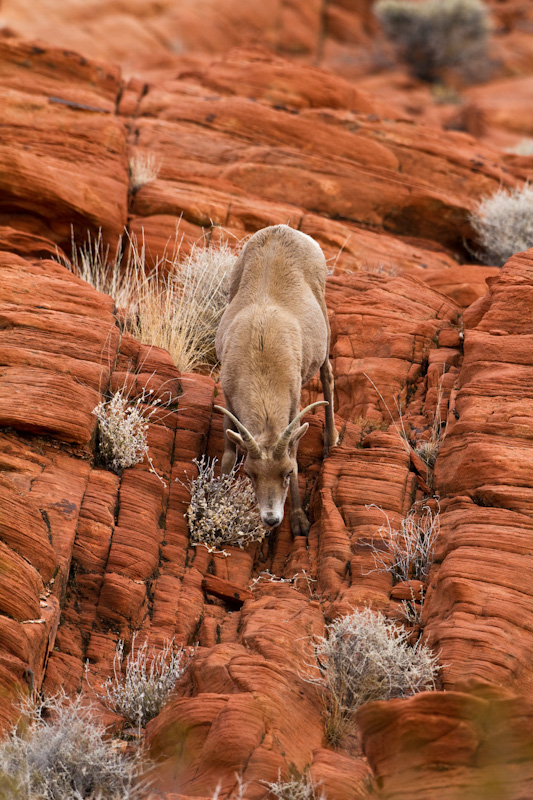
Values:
[(299, 523)]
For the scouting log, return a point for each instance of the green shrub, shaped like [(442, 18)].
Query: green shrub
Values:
[(434, 35)]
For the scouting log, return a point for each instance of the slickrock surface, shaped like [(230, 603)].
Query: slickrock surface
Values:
[(243, 140), (451, 745)]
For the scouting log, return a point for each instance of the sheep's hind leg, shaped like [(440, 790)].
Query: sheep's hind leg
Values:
[(331, 435)]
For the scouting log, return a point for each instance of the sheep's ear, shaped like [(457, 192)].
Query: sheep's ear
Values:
[(295, 438), (236, 438)]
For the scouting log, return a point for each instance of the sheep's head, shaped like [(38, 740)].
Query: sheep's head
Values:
[(270, 468)]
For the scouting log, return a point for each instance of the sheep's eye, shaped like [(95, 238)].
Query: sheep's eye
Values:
[(288, 474)]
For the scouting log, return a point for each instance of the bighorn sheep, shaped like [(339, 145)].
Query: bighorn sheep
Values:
[(273, 337)]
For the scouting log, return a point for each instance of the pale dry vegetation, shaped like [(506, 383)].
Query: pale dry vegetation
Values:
[(94, 263), (143, 168), (177, 305), (504, 224), (408, 552), (295, 787), (223, 509), (434, 35), (143, 681), (523, 148), (122, 431), (63, 753), (366, 657)]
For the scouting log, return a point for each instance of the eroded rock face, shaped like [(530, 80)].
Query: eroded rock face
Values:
[(89, 557), (451, 745), (483, 467)]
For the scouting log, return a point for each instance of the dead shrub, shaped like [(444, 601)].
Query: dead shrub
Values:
[(407, 553), (143, 681), (434, 35), (366, 657), (504, 224), (223, 510), (63, 753)]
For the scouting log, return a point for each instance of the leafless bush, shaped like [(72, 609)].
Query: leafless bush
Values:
[(63, 753), (223, 510), (296, 787), (412, 610), (504, 224), (434, 35), (122, 427), (408, 553), (142, 683), (366, 657), (143, 168)]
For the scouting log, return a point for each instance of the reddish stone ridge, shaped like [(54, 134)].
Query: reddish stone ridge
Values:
[(88, 557)]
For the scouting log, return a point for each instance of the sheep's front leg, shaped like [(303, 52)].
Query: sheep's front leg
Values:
[(299, 522), (331, 435)]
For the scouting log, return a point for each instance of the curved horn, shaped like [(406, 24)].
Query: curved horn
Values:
[(251, 445), (284, 439)]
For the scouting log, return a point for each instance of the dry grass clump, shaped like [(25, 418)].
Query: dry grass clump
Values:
[(93, 263), (434, 35), (176, 306), (143, 168), (408, 553), (366, 657), (223, 510), (142, 683), (504, 224), (296, 787), (179, 306), (63, 753)]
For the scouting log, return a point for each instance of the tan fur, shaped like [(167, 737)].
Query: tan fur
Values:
[(273, 337)]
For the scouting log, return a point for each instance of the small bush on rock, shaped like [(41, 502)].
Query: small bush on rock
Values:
[(434, 35), (366, 657), (409, 551), (123, 426), (140, 690), (122, 431), (504, 224), (223, 510), (297, 787), (63, 753)]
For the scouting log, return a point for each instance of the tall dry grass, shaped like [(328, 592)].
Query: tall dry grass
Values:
[(177, 305)]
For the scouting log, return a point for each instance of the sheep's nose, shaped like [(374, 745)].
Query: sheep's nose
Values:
[(271, 518)]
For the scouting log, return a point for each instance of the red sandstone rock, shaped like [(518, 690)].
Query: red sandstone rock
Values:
[(449, 745), (118, 545)]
